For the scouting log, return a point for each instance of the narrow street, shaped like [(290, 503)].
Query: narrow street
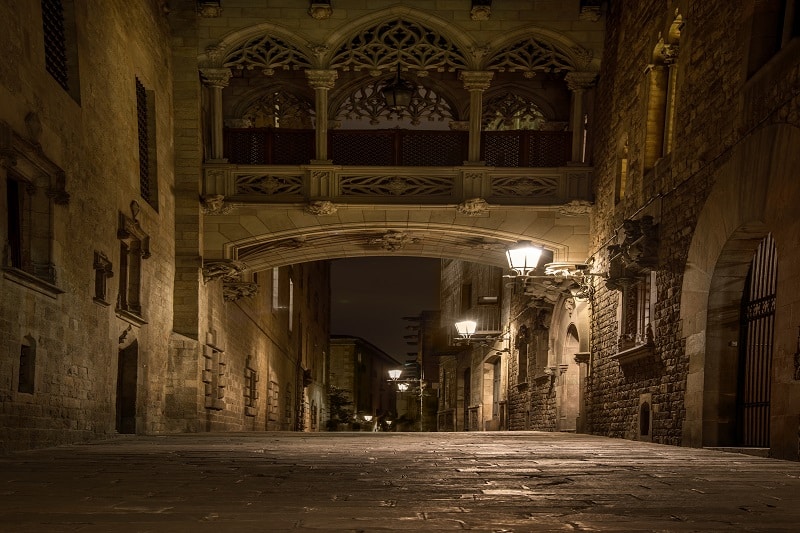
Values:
[(494, 482)]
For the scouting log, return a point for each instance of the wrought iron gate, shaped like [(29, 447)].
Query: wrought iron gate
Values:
[(755, 347)]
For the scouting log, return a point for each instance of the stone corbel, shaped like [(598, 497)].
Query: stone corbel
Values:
[(232, 291), (473, 207), (227, 270), (214, 204), (320, 9), (322, 208), (209, 8), (481, 10), (636, 255)]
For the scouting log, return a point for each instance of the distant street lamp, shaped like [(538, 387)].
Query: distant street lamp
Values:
[(403, 386)]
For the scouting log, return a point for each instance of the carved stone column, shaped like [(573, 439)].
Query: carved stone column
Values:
[(475, 81), (670, 54), (578, 83), (321, 81), (216, 79)]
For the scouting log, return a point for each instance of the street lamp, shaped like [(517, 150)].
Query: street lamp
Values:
[(466, 328), (404, 385), (523, 257)]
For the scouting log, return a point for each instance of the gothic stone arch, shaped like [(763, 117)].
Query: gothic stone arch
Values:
[(752, 190)]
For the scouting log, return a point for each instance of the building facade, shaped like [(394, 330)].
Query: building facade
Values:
[(361, 370), (113, 321), (694, 337), (170, 172)]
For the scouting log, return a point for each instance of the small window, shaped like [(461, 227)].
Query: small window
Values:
[(145, 115), (60, 53)]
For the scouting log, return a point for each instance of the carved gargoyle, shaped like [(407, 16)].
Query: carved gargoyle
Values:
[(636, 255)]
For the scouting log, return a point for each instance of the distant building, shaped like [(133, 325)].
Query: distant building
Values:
[(361, 369)]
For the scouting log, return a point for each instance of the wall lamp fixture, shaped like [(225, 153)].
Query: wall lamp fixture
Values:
[(564, 277)]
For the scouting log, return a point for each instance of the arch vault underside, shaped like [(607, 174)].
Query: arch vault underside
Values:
[(268, 236)]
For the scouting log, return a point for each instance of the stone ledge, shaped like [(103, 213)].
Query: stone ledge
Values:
[(637, 353), (32, 282)]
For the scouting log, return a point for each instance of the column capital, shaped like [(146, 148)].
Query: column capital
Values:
[(669, 53), (580, 81), (476, 80), (216, 77), (322, 79)]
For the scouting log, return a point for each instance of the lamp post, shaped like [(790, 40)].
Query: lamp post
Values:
[(403, 386)]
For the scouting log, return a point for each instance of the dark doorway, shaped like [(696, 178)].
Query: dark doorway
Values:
[(127, 373), (755, 347)]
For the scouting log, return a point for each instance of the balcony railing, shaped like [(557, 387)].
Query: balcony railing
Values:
[(397, 185), (523, 148)]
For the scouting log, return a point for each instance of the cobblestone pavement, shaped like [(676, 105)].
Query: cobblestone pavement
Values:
[(494, 482)]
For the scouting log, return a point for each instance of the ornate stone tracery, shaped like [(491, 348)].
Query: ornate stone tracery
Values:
[(511, 111), (267, 53), (367, 103), (280, 109), (382, 48), (536, 55)]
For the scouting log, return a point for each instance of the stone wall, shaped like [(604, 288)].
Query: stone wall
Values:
[(717, 112), (89, 132)]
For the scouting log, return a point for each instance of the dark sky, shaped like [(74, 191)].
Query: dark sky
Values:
[(371, 295)]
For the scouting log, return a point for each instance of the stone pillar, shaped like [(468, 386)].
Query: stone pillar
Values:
[(216, 79), (475, 81), (670, 54), (578, 83), (583, 360), (321, 81)]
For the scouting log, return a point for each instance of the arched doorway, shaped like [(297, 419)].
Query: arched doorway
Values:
[(127, 377), (755, 348)]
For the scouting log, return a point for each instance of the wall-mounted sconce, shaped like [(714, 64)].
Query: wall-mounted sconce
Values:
[(567, 278)]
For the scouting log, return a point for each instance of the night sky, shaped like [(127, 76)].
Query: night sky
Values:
[(371, 295)]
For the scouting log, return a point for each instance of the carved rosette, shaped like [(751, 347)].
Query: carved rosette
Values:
[(394, 241), (232, 291), (227, 270), (321, 208), (473, 207), (575, 208)]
